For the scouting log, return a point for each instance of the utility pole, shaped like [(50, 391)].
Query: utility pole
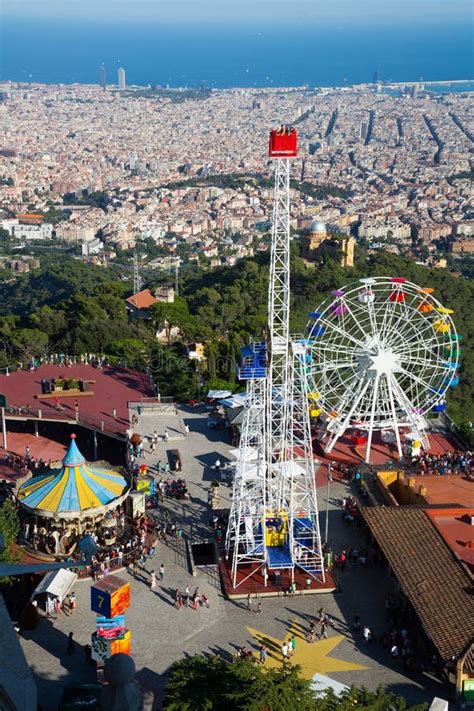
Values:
[(176, 278), (327, 503), (137, 280)]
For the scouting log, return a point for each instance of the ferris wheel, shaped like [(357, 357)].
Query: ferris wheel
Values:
[(382, 354)]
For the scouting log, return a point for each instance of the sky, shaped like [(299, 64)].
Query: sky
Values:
[(294, 12)]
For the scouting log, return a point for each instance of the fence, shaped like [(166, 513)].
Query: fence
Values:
[(31, 413)]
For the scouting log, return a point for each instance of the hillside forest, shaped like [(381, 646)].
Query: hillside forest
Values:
[(74, 308)]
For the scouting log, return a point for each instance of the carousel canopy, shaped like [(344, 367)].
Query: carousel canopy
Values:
[(75, 487)]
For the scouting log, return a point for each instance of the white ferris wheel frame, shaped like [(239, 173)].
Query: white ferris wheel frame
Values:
[(378, 361)]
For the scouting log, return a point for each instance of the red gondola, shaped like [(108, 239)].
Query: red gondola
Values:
[(283, 143)]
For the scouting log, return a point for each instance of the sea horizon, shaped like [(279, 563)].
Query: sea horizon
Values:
[(58, 52)]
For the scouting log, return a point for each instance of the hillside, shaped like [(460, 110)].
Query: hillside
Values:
[(73, 308)]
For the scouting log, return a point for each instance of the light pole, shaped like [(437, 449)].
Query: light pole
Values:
[(327, 503)]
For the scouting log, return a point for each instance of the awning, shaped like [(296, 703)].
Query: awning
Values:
[(247, 454), (58, 584), (289, 468), (234, 401), (218, 394)]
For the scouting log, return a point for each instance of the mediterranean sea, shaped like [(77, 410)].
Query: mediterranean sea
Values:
[(57, 51)]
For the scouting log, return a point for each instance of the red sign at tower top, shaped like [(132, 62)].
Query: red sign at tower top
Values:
[(283, 143)]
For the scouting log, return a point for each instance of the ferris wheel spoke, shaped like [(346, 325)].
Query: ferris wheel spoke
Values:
[(355, 319), (422, 362), (394, 415), (372, 417), (418, 380), (342, 333), (341, 428)]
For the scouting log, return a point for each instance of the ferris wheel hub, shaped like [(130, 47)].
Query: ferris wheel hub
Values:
[(384, 362)]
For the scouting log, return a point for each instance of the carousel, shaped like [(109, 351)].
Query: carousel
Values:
[(72, 501)]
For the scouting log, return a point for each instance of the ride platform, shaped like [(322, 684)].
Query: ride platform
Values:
[(279, 557), (250, 581)]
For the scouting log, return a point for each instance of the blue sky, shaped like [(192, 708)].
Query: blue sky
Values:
[(271, 12)]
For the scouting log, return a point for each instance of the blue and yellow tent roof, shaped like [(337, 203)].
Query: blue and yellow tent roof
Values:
[(74, 487)]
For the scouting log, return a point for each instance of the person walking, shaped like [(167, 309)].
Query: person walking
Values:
[(187, 594), (217, 466), (263, 655), (284, 651), (293, 645), (366, 633), (70, 643), (324, 633), (249, 602), (162, 572), (152, 580)]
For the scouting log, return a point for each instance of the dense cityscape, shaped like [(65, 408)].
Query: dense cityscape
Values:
[(236, 372), (393, 171)]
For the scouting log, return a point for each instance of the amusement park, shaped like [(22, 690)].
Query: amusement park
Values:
[(327, 504)]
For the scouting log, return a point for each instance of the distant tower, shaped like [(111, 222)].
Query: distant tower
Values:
[(137, 280), (414, 91), (102, 77), (176, 278), (121, 78), (348, 252)]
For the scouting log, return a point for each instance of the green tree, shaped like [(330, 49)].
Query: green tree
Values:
[(29, 342), (9, 530), (201, 683)]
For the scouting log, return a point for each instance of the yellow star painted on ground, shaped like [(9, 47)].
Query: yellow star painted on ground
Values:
[(312, 658)]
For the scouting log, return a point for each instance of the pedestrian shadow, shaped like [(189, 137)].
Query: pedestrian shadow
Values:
[(168, 600), (273, 647)]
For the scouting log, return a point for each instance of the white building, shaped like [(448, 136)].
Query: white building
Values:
[(121, 78)]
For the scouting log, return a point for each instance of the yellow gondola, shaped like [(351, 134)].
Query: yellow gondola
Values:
[(443, 310), (313, 396), (442, 326), (315, 413)]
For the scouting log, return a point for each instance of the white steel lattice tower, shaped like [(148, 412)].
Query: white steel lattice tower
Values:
[(245, 530), (273, 525)]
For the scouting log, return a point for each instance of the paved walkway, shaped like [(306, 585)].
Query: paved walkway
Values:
[(162, 634)]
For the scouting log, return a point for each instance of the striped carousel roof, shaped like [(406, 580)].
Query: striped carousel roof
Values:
[(74, 487)]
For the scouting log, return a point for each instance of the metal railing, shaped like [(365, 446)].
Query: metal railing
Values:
[(31, 413)]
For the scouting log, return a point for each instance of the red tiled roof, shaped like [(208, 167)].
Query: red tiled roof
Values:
[(437, 586), (142, 300)]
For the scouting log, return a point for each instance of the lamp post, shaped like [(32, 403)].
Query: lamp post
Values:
[(327, 503)]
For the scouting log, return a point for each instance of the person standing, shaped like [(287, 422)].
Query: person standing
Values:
[(263, 655), (187, 594), (217, 466), (366, 633), (162, 572), (284, 651), (259, 608), (152, 580), (356, 623), (249, 602)]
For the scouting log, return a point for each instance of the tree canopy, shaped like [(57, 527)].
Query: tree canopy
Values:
[(71, 307), (202, 683)]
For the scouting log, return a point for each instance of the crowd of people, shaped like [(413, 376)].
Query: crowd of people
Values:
[(457, 462)]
